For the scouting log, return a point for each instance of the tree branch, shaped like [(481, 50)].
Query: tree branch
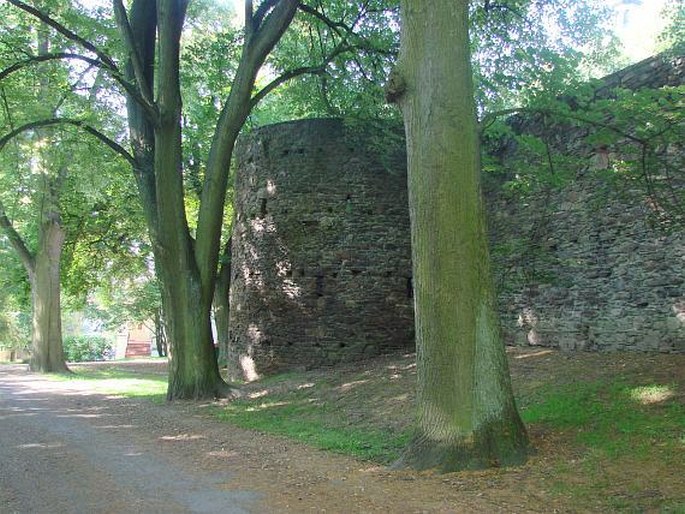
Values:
[(127, 86), (261, 12), (232, 117), (291, 74), (72, 36), (269, 30), (340, 28), (129, 41), (490, 118), (25, 255), (336, 26), (47, 57), (69, 121), (249, 22), (103, 61)]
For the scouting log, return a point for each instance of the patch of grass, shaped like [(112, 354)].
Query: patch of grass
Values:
[(673, 508), (614, 418), (116, 382), (619, 428), (305, 416)]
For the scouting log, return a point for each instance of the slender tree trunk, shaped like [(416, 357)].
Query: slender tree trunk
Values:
[(467, 417), (161, 334), (221, 304)]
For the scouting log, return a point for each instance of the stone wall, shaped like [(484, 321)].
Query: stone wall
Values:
[(653, 72), (321, 258), (595, 265), (321, 254), (586, 268)]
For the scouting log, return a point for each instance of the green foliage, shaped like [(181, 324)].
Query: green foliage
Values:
[(15, 330), (548, 144), (208, 63), (94, 189), (87, 348), (133, 298), (643, 133), (15, 312), (349, 63), (672, 38), (519, 48), (522, 47)]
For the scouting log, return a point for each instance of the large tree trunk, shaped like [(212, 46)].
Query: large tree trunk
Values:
[(43, 269), (47, 354), (467, 417), (193, 369)]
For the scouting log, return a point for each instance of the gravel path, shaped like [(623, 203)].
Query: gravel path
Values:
[(65, 449)]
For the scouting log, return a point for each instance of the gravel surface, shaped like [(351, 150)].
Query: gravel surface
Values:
[(65, 449)]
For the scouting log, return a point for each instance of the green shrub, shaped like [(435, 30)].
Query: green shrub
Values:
[(87, 348)]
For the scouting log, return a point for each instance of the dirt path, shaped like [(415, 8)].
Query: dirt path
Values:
[(65, 449)]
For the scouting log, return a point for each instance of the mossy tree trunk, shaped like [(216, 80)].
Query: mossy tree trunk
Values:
[(467, 417)]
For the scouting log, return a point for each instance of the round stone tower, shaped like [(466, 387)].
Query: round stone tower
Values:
[(321, 258)]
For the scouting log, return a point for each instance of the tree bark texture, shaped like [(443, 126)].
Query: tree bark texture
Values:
[(467, 416), (161, 334), (47, 353), (43, 270)]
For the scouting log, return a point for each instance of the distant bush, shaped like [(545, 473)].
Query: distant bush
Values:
[(87, 348)]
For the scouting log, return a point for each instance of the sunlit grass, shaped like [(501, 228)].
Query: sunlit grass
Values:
[(116, 382), (304, 415), (652, 394), (613, 425), (614, 418)]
